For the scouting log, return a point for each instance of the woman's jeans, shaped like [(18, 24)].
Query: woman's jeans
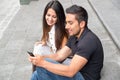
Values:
[(43, 74)]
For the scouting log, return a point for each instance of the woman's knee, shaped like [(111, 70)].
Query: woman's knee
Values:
[(34, 76), (51, 60)]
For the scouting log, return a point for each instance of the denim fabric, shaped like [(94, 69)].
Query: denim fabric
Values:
[(42, 74)]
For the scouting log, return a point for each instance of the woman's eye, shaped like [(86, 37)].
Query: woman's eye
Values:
[(48, 14), (54, 17)]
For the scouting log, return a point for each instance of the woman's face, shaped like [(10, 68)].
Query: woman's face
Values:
[(51, 17)]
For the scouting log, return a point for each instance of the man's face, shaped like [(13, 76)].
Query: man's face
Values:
[(72, 25)]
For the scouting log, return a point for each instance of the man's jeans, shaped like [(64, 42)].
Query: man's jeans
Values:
[(43, 74)]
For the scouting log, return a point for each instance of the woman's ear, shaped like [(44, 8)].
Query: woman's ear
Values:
[(82, 24)]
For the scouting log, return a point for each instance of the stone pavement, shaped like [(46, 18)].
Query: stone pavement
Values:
[(108, 12), (8, 9), (26, 28)]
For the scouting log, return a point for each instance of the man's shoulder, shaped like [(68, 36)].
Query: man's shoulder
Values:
[(91, 35), (89, 38)]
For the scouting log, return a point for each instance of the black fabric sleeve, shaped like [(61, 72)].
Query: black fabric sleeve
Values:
[(86, 47), (69, 42)]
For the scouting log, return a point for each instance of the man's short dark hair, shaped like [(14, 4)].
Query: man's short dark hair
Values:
[(80, 12)]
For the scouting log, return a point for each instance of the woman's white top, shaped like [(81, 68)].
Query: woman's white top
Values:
[(50, 47), (51, 39)]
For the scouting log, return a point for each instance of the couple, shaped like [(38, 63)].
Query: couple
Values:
[(83, 45)]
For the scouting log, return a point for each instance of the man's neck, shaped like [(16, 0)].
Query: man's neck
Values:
[(79, 35)]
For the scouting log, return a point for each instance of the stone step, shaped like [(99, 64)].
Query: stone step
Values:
[(8, 9)]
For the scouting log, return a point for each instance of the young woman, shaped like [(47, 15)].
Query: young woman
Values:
[(54, 34)]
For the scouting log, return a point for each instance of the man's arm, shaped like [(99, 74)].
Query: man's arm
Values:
[(76, 64), (57, 57), (60, 55)]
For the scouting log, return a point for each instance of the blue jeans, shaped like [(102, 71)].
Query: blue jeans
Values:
[(43, 74)]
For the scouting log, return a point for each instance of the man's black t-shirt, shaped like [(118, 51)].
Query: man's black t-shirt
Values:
[(89, 47)]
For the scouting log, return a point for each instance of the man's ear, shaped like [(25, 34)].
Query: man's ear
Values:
[(82, 24)]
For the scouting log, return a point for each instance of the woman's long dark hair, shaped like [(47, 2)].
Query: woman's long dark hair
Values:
[(60, 31)]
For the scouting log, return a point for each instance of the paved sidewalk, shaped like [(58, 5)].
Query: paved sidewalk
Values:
[(26, 28), (108, 12), (7, 11)]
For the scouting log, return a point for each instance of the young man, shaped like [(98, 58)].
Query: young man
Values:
[(84, 47)]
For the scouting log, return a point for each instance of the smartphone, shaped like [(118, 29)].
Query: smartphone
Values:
[(30, 53)]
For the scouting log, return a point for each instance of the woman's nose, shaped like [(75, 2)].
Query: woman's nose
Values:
[(50, 18)]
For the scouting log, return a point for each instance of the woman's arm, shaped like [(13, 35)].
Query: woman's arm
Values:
[(40, 42)]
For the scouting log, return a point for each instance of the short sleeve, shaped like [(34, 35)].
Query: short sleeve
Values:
[(69, 42), (86, 47)]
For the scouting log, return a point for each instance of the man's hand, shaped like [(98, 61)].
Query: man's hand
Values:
[(37, 60)]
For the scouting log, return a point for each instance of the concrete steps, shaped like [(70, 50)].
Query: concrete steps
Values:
[(26, 27), (8, 9)]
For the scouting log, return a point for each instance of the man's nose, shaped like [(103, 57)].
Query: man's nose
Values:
[(66, 26)]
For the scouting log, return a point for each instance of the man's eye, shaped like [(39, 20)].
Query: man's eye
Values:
[(65, 23), (70, 23)]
